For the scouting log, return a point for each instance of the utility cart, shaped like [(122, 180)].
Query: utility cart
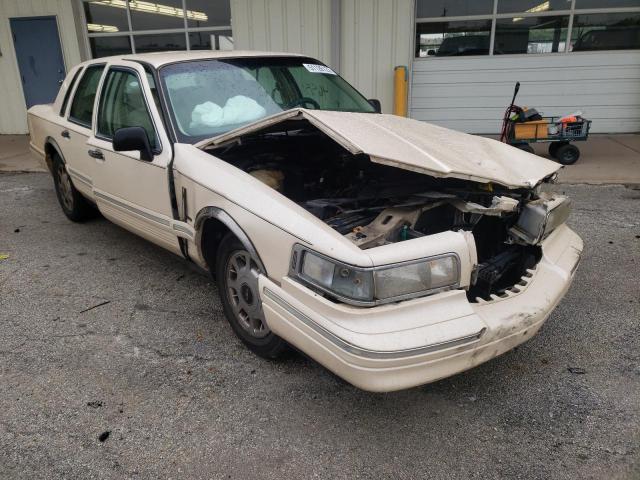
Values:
[(558, 132)]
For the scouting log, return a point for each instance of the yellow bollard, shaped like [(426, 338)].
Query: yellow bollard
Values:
[(400, 89)]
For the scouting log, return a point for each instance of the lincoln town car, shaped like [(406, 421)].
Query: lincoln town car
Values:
[(392, 251)]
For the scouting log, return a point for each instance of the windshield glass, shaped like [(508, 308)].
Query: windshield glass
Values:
[(210, 97)]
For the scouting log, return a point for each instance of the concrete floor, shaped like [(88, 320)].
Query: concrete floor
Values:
[(100, 331), (15, 155), (605, 159)]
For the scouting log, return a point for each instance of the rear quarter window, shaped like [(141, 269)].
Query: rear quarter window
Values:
[(67, 94)]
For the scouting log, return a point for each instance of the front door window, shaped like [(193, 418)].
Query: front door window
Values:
[(122, 105)]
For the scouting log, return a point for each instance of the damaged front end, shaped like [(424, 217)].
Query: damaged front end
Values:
[(507, 227), (375, 200)]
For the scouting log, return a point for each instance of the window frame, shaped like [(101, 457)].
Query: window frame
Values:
[(69, 91), (571, 11), (132, 33), (124, 68), (74, 120)]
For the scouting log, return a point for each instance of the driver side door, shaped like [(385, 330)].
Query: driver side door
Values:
[(129, 191)]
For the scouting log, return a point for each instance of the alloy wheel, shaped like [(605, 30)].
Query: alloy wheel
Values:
[(241, 274), (65, 187)]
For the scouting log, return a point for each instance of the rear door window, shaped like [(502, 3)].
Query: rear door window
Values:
[(81, 110)]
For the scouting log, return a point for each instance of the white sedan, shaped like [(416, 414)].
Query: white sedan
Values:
[(392, 251)]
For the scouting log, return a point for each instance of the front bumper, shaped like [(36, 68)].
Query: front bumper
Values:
[(411, 343)]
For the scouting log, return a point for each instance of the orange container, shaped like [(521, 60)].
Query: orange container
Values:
[(534, 129)]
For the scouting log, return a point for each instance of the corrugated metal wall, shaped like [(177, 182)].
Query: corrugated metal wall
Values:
[(296, 26), (377, 35), (13, 114), (374, 36), (470, 94)]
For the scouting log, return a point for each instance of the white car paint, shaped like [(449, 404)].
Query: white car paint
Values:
[(382, 348)]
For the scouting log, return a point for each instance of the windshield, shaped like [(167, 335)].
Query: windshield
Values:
[(210, 97)]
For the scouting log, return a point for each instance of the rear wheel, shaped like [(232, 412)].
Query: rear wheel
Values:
[(74, 205), (237, 274), (567, 154)]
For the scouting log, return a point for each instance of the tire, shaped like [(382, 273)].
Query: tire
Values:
[(567, 154), (237, 276), (554, 146), (73, 204), (525, 147)]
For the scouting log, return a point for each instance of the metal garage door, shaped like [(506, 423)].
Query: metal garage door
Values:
[(470, 94)]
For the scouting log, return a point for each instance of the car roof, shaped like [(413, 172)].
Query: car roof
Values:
[(157, 59)]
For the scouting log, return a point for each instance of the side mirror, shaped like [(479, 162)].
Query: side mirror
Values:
[(375, 103), (133, 138)]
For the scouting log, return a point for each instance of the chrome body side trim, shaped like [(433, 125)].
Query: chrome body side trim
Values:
[(180, 228), (363, 352), (78, 176), (137, 211)]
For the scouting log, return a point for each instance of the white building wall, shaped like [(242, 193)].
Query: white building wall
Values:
[(372, 37), (377, 35), (294, 26), (471, 94), (13, 112)]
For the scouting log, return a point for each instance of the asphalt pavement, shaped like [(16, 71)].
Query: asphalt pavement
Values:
[(116, 362)]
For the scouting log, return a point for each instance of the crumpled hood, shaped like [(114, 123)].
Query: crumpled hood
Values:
[(417, 146)]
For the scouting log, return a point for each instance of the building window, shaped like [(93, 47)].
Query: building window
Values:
[(607, 3), (106, 46), (532, 6), (530, 35), (220, 40), (210, 13), (446, 39), (605, 31), (459, 8), (157, 16), (499, 27), (160, 42), (116, 27), (104, 17)]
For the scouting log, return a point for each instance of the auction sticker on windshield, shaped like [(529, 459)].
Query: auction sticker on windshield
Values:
[(315, 68)]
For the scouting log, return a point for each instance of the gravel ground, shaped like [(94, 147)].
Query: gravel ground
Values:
[(152, 383)]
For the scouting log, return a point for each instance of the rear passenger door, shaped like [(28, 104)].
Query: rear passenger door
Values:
[(78, 128), (128, 190)]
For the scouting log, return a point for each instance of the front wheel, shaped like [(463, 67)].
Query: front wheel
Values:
[(554, 146), (237, 274)]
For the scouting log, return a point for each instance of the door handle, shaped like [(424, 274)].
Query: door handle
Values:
[(65, 134), (97, 154)]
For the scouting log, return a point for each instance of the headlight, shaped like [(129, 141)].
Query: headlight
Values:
[(422, 276), (541, 217), (372, 286), (343, 280)]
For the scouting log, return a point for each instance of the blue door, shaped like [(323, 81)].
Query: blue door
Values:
[(39, 57)]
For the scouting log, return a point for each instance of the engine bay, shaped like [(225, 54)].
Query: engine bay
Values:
[(373, 205)]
